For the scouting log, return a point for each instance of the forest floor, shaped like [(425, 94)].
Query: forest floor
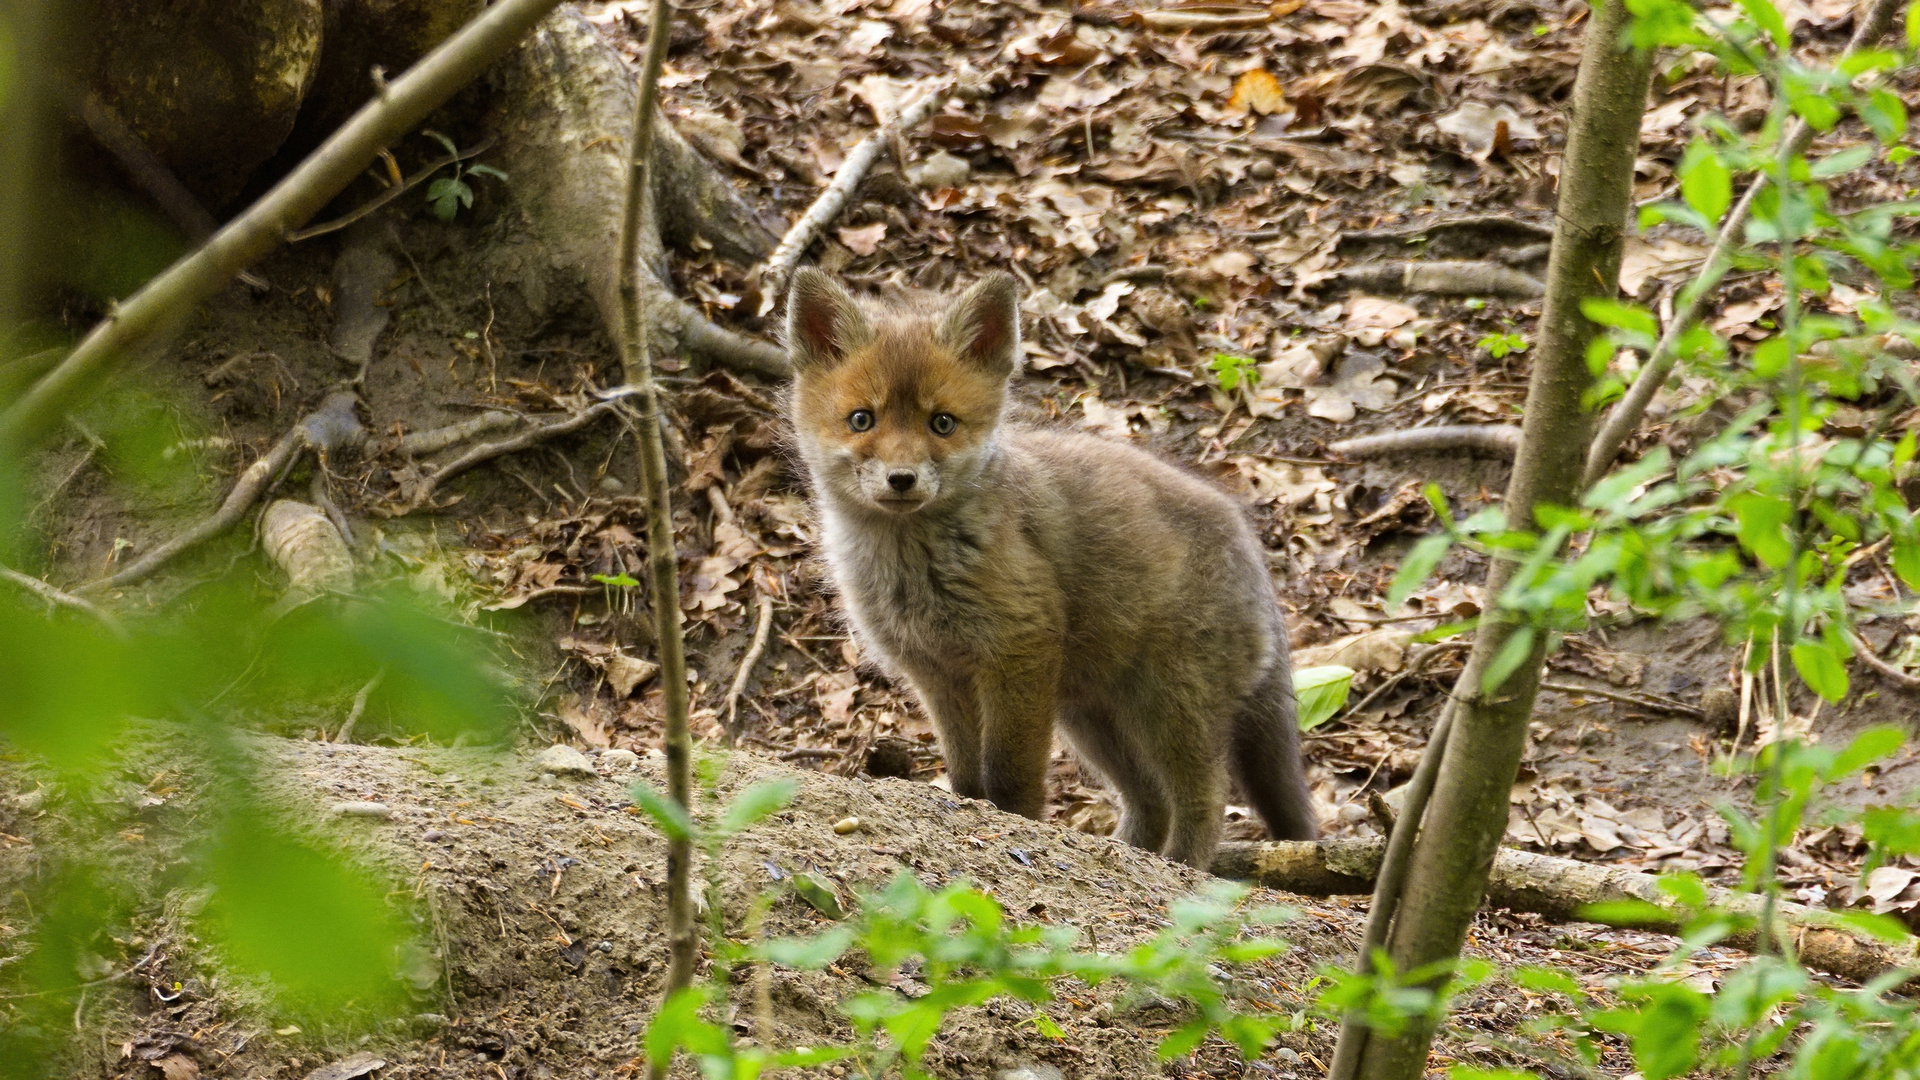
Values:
[(1182, 194)]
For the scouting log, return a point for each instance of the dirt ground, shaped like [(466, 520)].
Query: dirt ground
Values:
[(542, 900), (1160, 222)]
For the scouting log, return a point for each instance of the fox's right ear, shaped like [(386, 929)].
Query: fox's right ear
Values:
[(824, 323)]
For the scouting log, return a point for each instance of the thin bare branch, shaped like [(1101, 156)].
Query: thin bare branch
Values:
[(60, 598), (160, 306)]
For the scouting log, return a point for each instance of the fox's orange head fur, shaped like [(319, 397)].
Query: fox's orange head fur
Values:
[(895, 407)]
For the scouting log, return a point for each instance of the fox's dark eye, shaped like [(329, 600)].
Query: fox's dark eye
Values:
[(943, 423), (860, 420)]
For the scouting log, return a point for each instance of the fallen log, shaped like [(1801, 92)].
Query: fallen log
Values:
[(1563, 890), (1490, 440)]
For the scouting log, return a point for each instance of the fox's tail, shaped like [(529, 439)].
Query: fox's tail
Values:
[(1266, 758)]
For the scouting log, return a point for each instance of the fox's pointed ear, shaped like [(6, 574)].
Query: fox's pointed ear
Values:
[(824, 323), (983, 326)]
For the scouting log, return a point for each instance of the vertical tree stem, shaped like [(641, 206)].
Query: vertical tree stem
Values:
[(1468, 813), (636, 357)]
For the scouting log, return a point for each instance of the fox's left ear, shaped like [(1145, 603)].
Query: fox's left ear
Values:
[(983, 326)]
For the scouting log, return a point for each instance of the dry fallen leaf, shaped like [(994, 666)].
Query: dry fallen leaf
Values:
[(1256, 91), (864, 240), (177, 1067)]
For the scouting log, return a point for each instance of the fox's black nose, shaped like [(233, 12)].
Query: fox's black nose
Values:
[(901, 479)]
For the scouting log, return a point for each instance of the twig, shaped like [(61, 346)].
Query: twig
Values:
[(59, 598), (1626, 415), (1658, 704), (663, 559), (392, 193), (779, 266), (1893, 674), (161, 305), (763, 624), (345, 734), (328, 427), (1494, 440)]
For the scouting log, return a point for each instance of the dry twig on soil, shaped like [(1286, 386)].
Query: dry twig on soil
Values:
[(780, 265), (763, 624), (1899, 678), (1493, 440), (1563, 890)]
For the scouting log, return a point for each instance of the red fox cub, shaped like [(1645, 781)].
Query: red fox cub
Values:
[(1018, 576)]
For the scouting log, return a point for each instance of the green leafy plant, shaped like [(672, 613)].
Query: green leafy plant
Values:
[(1500, 345), (449, 194), (1321, 693), (938, 951), (1234, 372)]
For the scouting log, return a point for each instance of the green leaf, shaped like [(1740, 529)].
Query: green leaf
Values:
[(1548, 981), (1705, 181), (1821, 668), (1879, 927), (668, 816), (486, 170), (1841, 162), (1817, 110), (1768, 19), (753, 805), (1626, 913), (1762, 527), (320, 930), (1046, 1026), (1913, 25), (1182, 1040), (1906, 560), (1886, 114), (819, 895), (622, 580), (1685, 887), (1513, 652), (1321, 691), (1770, 357), (678, 1025), (1629, 317), (809, 954), (1871, 745), (1418, 564)]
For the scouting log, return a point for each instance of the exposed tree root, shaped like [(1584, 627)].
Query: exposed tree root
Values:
[(59, 598), (333, 426), (1562, 890), (1492, 440), (417, 492), (763, 625), (1864, 649), (773, 275), (564, 106), (434, 440), (303, 541)]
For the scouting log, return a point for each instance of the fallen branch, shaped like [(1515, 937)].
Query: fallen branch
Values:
[(330, 427), (345, 734), (763, 625), (1441, 278), (484, 452), (1644, 701), (1562, 890), (60, 598), (164, 303), (1892, 674), (1627, 413), (1491, 440), (833, 198)]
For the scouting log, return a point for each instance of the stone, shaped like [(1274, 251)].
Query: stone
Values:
[(376, 810), (620, 759), (1033, 1071), (563, 760)]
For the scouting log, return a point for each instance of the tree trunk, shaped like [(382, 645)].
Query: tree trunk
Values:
[(1467, 817)]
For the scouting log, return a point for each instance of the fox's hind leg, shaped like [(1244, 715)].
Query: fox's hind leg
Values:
[(1145, 812), (1196, 778)]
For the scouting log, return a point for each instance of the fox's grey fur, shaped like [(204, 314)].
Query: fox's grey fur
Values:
[(1017, 576)]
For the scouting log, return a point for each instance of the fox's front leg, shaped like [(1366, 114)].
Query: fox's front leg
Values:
[(951, 704), (1018, 698)]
